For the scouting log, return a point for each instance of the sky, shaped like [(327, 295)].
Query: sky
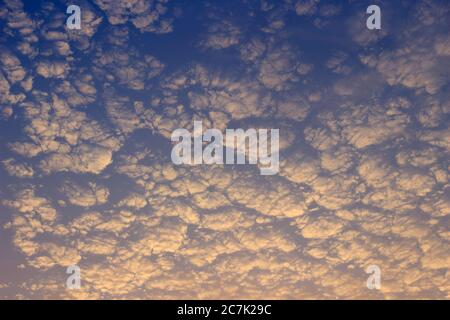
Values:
[(87, 179)]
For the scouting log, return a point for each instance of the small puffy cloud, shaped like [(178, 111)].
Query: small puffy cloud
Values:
[(337, 65), (439, 138), (306, 7), (337, 191), (145, 15), (415, 182), (81, 92), (227, 219), (7, 97), (126, 67), (48, 69), (277, 70), (420, 157), (252, 50), (436, 256), (432, 113), (78, 145), (165, 237), (337, 161), (85, 196), (376, 171), (361, 34), (265, 237), (300, 168), (364, 126), (442, 46), (12, 67), (28, 203), (51, 254), (409, 64), (134, 200), (282, 200), (321, 138), (437, 205), (295, 107), (322, 227), (82, 160), (7, 112), (16, 169), (221, 35), (411, 68), (87, 118)]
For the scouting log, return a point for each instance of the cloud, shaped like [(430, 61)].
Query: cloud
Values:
[(127, 67), (18, 169), (87, 117), (12, 67), (442, 46), (283, 200), (306, 7), (277, 70), (409, 64), (221, 35), (82, 160), (85, 196), (322, 227), (145, 15), (252, 50), (49, 69), (81, 145)]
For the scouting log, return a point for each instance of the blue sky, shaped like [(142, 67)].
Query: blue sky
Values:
[(86, 176)]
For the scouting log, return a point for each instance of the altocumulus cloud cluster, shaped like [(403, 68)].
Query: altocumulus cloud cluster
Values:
[(86, 176)]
